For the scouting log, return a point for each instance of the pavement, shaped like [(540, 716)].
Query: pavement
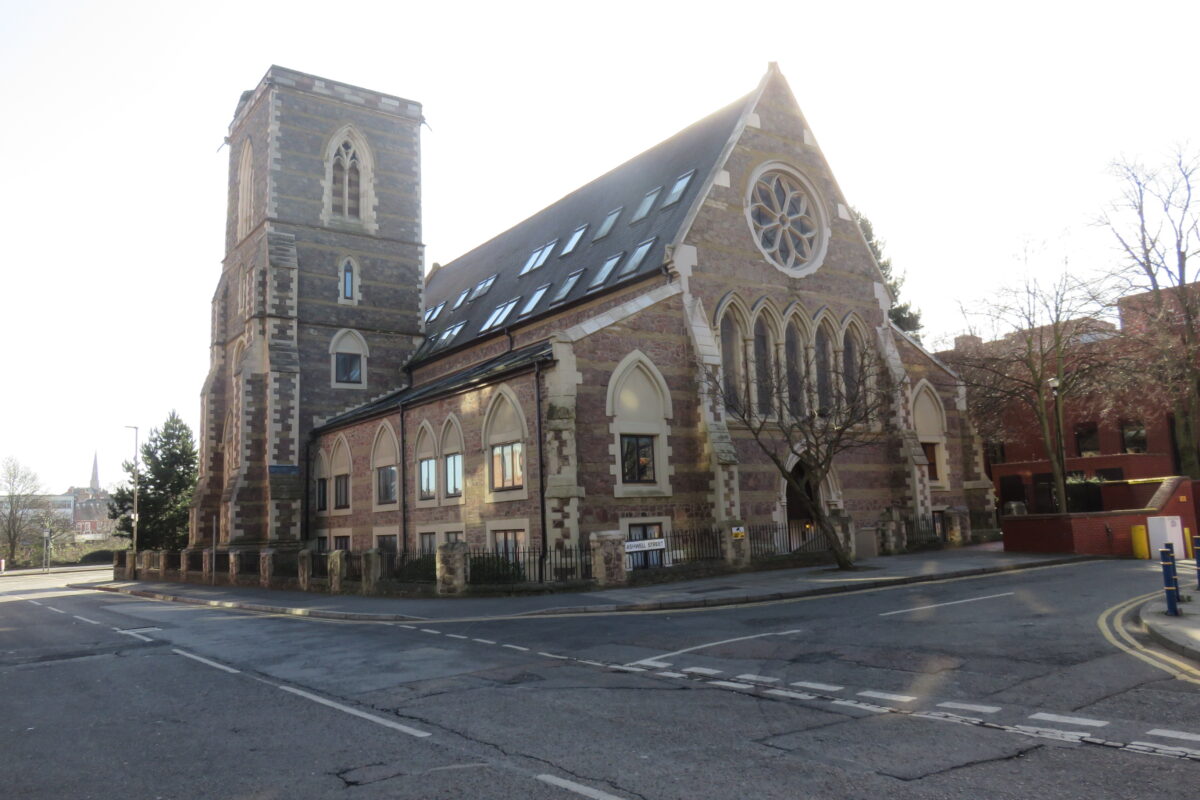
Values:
[(728, 589), (1179, 633)]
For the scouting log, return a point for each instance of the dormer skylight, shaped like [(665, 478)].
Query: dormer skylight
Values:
[(608, 223), (481, 288), (677, 190), (567, 286), (448, 335), (605, 270), (432, 313), (635, 260), (533, 300), (576, 235), (647, 203), (538, 257), (499, 315), (462, 297)]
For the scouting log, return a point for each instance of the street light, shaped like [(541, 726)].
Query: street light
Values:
[(1061, 487), (135, 497)]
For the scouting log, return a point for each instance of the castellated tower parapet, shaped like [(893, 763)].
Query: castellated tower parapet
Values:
[(319, 299)]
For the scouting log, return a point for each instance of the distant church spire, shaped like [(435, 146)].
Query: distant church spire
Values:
[(95, 472)]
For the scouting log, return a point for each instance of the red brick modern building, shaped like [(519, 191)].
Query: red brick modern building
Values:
[(549, 384)]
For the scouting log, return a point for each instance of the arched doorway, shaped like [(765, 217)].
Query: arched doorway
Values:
[(801, 527)]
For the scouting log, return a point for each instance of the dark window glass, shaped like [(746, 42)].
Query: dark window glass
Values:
[(341, 543), (794, 354), (824, 362), (339, 187), (1087, 439), (1111, 474), (1012, 490), (352, 196), (341, 491), (454, 475), (930, 449), (387, 544), (508, 471), (1133, 437), (509, 543), (322, 494), (427, 477), (764, 372), (646, 558), (323, 545), (385, 483), (348, 367), (637, 459), (851, 374), (730, 361), (428, 544)]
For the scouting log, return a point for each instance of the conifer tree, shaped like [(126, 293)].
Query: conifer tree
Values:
[(904, 315), (166, 479)]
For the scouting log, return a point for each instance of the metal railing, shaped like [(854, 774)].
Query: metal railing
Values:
[(354, 566), (526, 565), (922, 534), (221, 563), (285, 565), (682, 546), (410, 567), (247, 563), (320, 565), (171, 560), (195, 561), (778, 539)]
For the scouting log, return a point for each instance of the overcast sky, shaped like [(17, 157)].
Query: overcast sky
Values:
[(966, 135)]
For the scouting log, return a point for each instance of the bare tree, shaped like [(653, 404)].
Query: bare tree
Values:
[(1156, 223), (22, 502), (811, 423), (1045, 339)]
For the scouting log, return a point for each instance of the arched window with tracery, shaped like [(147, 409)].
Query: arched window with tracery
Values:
[(794, 357), (823, 362), (245, 203), (732, 368), (852, 367), (764, 367), (347, 181)]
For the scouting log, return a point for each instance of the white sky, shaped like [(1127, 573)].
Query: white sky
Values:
[(964, 134)]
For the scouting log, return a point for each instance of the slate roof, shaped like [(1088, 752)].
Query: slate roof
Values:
[(472, 376), (695, 150)]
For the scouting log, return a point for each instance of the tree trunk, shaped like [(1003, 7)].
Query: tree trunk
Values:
[(1185, 439), (833, 541)]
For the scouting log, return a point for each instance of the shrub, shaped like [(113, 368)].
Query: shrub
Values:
[(97, 557), (495, 569)]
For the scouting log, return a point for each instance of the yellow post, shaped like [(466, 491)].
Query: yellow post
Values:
[(1141, 541)]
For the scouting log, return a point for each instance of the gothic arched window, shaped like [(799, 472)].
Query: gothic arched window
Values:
[(347, 180), (764, 368), (732, 371), (823, 361), (245, 206), (793, 354)]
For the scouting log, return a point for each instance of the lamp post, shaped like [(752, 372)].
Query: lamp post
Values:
[(135, 497), (1061, 484)]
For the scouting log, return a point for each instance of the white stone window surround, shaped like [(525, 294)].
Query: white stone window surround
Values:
[(355, 276), (366, 220), (929, 420), (638, 402), (348, 341), (385, 452), (816, 206), (502, 426), (425, 447)]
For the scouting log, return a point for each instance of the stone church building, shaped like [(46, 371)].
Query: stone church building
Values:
[(551, 383)]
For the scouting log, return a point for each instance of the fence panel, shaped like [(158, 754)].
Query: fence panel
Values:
[(285, 565), (320, 565), (222, 563), (354, 566), (195, 561), (410, 567), (922, 533), (527, 565), (247, 563), (683, 546)]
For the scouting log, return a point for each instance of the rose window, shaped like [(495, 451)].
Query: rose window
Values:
[(784, 219)]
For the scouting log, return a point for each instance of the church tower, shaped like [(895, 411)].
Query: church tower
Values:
[(319, 299)]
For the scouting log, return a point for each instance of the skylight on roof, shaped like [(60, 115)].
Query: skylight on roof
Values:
[(605, 270), (635, 260), (448, 335), (681, 184), (533, 300), (538, 257), (566, 287), (609, 221), (576, 235), (647, 203), (481, 288), (460, 299), (500, 314), (432, 314)]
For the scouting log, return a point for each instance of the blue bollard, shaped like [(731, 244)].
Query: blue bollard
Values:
[(1169, 583), (1170, 547)]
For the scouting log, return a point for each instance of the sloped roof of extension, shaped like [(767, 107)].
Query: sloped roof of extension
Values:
[(485, 372), (606, 234)]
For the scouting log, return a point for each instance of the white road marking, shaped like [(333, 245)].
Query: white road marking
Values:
[(703, 671), (136, 636), (139, 630), (56, 610), (730, 685), (430, 630), (406, 627), (1190, 737), (624, 668), (589, 663), (85, 619), (864, 706), (483, 641), (515, 647), (722, 641), (553, 655), (895, 698), (757, 678), (951, 603), (456, 636), (35, 602), (792, 695), (1051, 733), (1092, 723), (651, 662), (819, 687), (387, 723), (970, 707), (577, 788), (668, 674), (203, 660)]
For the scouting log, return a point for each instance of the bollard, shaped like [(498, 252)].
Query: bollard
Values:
[(1170, 547), (1196, 556), (1168, 583)]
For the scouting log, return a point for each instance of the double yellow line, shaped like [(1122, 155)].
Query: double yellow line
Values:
[(1112, 627)]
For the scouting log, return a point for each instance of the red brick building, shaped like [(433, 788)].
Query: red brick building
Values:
[(554, 384)]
